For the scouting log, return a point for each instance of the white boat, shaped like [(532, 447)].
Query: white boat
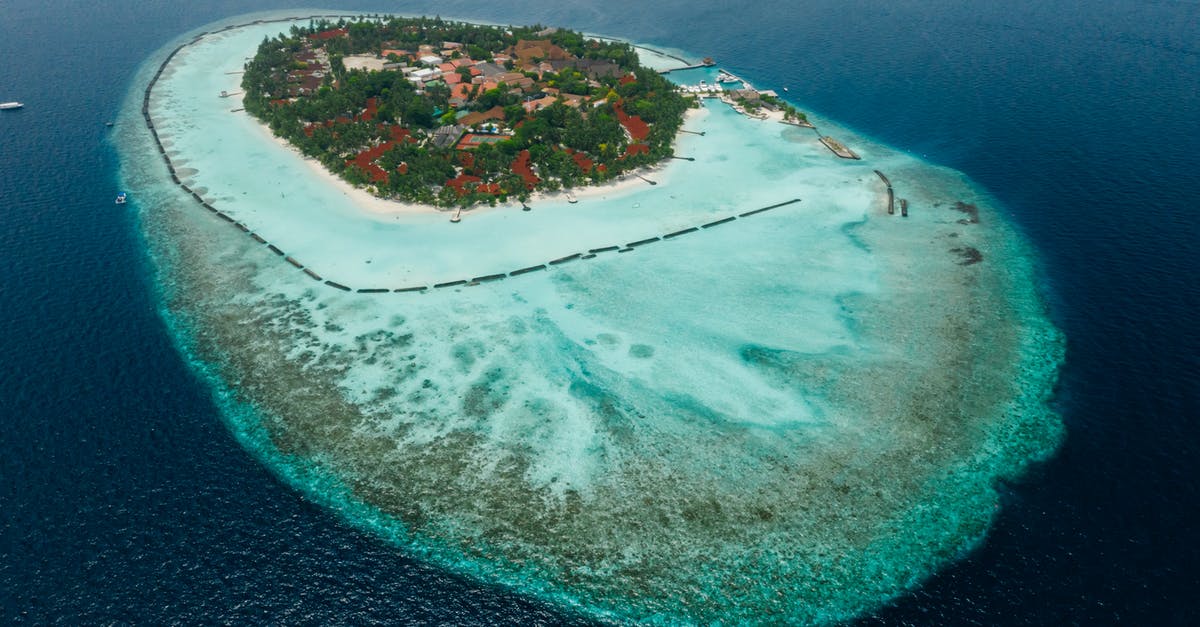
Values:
[(121, 198), (4, 106)]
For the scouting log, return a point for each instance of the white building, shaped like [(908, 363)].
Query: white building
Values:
[(426, 74)]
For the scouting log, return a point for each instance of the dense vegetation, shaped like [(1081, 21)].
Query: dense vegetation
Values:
[(585, 112)]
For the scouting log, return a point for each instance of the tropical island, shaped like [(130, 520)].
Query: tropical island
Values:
[(447, 113), (524, 432)]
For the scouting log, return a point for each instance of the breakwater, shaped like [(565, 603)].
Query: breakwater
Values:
[(323, 279), (838, 148), (890, 193), (891, 197)]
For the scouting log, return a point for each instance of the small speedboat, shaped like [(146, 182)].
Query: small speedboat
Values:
[(5, 106), (121, 198)]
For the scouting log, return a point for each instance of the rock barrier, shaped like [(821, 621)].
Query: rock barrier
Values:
[(487, 278)]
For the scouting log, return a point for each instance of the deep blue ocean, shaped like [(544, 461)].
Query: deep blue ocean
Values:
[(124, 499)]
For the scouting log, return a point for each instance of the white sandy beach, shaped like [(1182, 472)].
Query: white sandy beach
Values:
[(369, 202)]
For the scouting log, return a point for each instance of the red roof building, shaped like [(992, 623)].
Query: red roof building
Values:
[(637, 127), (520, 166), (329, 34)]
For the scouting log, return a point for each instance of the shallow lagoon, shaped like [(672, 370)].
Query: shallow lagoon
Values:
[(790, 417)]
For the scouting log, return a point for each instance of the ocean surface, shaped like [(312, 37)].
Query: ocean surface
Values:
[(125, 497)]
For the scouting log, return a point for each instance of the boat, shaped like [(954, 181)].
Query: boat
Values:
[(457, 217), (5, 106), (121, 198), (726, 77), (571, 198)]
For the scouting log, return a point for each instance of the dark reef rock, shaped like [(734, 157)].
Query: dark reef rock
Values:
[(971, 210), (969, 254)]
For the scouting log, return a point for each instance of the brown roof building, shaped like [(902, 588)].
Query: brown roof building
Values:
[(526, 50)]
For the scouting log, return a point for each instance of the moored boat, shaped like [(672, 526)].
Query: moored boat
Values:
[(5, 106)]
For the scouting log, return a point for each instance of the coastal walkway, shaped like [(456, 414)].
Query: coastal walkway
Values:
[(694, 66), (313, 274)]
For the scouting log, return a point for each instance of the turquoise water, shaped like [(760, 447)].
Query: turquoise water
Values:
[(791, 417)]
